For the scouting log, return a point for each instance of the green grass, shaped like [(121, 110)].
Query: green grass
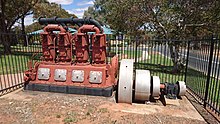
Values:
[(197, 82), (71, 117), (15, 63), (10, 64), (129, 54), (161, 66), (157, 64), (21, 48)]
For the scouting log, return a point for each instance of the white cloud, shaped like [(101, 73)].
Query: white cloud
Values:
[(81, 9), (82, 3), (78, 11), (63, 2)]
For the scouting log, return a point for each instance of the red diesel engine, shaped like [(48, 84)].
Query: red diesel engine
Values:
[(77, 64), (68, 65)]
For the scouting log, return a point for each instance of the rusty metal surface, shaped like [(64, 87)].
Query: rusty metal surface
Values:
[(68, 59), (81, 48)]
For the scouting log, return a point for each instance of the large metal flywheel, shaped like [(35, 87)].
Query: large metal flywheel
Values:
[(125, 85)]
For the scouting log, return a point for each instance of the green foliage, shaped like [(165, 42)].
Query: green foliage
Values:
[(97, 11), (103, 110), (33, 27), (167, 19), (46, 9), (13, 10)]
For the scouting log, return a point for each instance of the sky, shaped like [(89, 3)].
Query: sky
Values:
[(76, 7)]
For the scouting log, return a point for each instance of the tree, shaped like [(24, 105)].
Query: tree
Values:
[(182, 19), (97, 11), (177, 19), (10, 12), (33, 27), (47, 9)]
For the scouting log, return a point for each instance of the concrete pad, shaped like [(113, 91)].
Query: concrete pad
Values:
[(176, 108), (42, 102)]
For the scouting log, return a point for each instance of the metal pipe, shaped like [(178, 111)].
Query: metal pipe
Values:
[(49, 28), (70, 20), (88, 28), (162, 86)]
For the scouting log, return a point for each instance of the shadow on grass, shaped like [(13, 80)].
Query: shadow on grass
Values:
[(164, 72), (197, 81), (158, 68)]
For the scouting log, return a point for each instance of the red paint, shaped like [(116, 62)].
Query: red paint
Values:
[(57, 54)]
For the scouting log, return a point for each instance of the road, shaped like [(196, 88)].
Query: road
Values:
[(197, 60)]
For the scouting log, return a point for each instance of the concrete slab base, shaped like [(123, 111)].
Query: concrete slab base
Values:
[(179, 110)]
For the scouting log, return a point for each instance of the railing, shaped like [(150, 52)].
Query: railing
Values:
[(203, 71), (194, 61), (13, 63), (153, 55)]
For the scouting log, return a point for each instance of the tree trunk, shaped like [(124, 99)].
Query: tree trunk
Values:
[(25, 43), (6, 43), (175, 57), (4, 37)]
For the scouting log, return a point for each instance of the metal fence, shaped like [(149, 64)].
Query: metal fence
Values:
[(13, 63), (198, 61), (203, 71), (153, 55)]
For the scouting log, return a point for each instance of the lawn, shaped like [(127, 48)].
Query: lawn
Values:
[(130, 54), (197, 82), (17, 61), (161, 66), (158, 64), (10, 64)]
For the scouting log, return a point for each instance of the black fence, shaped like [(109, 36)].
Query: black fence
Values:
[(203, 72), (153, 55), (194, 61), (13, 61)]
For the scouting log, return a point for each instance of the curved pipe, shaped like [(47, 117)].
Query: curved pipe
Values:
[(49, 28), (88, 28), (71, 20)]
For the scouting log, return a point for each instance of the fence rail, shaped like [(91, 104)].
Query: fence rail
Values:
[(203, 71), (153, 55), (13, 64), (194, 61)]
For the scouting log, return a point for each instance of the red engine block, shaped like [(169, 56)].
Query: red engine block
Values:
[(62, 71)]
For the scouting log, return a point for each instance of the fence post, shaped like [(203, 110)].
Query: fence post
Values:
[(187, 59), (135, 59), (209, 72)]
